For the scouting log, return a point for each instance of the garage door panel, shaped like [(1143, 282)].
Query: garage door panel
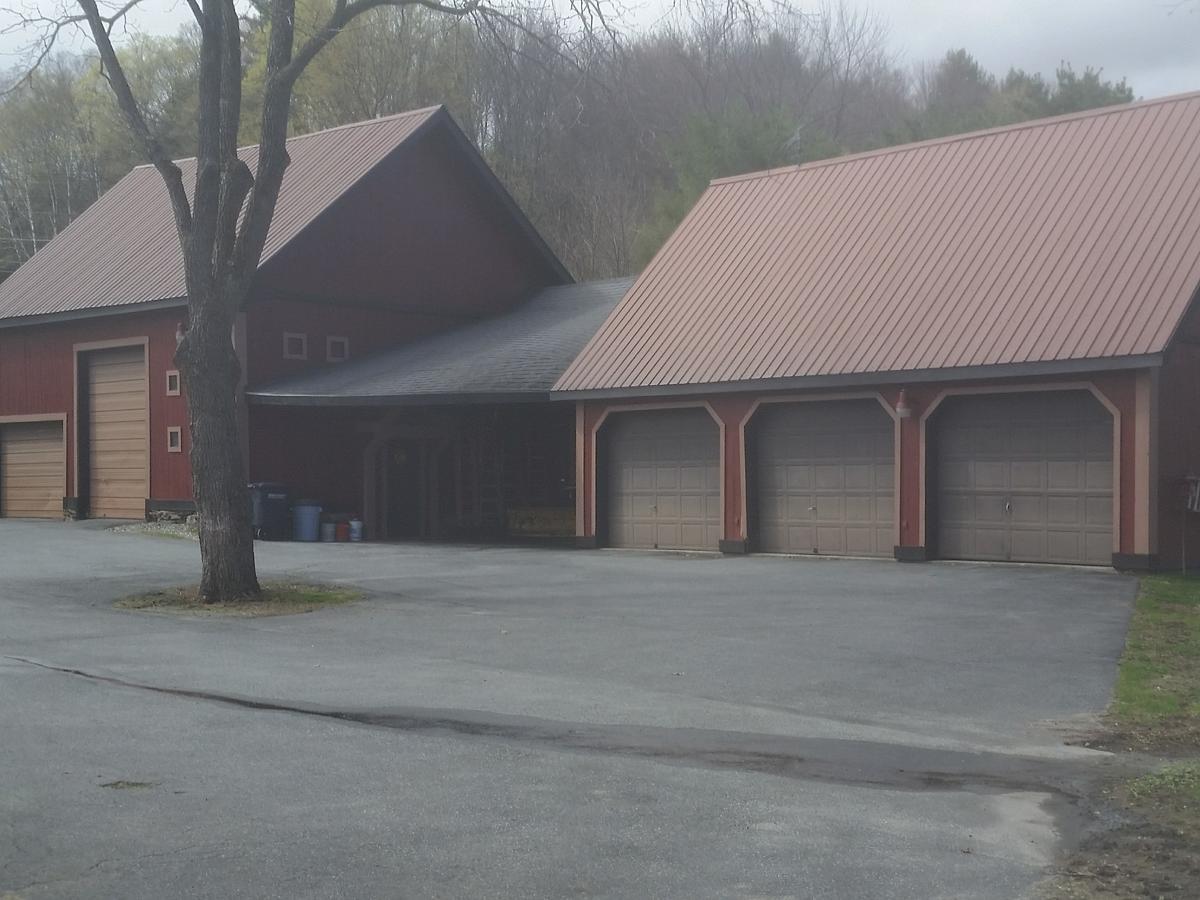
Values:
[(1041, 491), (1098, 548), (1065, 510), (32, 470), (799, 478), (839, 458), (1099, 475), (118, 424), (663, 480), (829, 478), (1065, 475), (1026, 476)]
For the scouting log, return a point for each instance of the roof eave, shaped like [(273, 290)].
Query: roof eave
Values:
[(92, 312), (1006, 371), (477, 398)]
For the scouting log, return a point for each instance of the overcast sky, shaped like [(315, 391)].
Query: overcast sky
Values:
[(1155, 44)]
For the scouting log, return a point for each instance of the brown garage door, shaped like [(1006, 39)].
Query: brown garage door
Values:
[(663, 473), (33, 470), (823, 478), (1025, 477), (117, 429)]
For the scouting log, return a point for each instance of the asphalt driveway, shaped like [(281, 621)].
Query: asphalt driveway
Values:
[(499, 722)]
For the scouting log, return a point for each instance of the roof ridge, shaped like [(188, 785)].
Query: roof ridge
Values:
[(1046, 121), (425, 110)]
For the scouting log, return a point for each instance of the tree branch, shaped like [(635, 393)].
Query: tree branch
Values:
[(132, 112)]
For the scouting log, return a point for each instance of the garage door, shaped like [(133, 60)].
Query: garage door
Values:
[(117, 430), (1025, 477), (824, 478), (33, 469), (663, 474)]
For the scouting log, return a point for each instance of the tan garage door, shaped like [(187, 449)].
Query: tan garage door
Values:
[(823, 476), (663, 473), (33, 468), (1025, 477), (117, 429)]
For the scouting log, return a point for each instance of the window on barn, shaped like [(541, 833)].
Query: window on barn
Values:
[(337, 349), (295, 346), (172, 384), (175, 439)]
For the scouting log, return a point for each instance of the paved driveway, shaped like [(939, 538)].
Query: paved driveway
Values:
[(516, 722)]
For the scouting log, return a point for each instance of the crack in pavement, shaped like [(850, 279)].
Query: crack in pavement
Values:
[(844, 761)]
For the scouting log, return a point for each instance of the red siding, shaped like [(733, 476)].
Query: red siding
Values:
[(37, 376), (318, 453), (369, 331)]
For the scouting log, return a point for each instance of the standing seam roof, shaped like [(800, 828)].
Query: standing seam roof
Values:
[(123, 249), (1073, 238)]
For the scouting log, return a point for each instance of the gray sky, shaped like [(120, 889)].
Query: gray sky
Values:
[(1155, 44)]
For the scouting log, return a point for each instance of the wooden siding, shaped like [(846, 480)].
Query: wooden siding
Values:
[(117, 432), (32, 469)]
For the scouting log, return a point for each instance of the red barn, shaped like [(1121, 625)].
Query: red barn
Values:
[(386, 232)]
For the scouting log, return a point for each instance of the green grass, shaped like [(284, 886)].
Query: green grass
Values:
[(277, 599), (1158, 685)]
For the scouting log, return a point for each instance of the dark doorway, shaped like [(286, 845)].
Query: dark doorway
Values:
[(406, 469)]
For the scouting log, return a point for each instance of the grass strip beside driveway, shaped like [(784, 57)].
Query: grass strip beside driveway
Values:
[(1155, 850), (1157, 704)]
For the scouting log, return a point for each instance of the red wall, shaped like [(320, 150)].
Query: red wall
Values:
[(37, 376), (369, 331), (420, 245), (318, 453)]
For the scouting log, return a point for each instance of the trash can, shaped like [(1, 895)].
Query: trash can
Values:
[(306, 520), (270, 506)]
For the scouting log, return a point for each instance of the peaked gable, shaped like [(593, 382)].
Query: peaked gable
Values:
[(123, 250)]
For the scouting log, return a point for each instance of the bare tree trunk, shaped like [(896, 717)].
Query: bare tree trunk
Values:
[(211, 371)]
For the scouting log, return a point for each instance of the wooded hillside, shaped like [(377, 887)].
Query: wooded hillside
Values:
[(606, 139)]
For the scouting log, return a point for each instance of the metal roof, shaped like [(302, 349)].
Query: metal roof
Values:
[(514, 356), (123, 249), (1045, 243)]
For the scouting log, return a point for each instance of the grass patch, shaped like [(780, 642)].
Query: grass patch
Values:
[(1156, 707), (1155, 852), (276, 599), (1171, 795)]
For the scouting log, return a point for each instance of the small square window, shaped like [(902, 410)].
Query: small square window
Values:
[(295, 346), (337, 349), (175, 439), (172, 384)]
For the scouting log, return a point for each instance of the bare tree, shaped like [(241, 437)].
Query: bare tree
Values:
[(222, 222)]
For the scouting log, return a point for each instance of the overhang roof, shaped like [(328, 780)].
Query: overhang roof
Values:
[(123, 250), (1070, 242), (515, 356)]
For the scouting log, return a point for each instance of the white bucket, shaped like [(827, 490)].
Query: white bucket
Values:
[(356, 529)]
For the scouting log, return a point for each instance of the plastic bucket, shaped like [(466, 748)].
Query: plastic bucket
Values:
[(356, 530), (306, 520), (342, 532), (328, 532)]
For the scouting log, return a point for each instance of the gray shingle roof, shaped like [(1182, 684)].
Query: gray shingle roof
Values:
[(517, 355)]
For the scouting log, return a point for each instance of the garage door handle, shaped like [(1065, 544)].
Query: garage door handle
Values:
[(1008, 506), (812, 509)]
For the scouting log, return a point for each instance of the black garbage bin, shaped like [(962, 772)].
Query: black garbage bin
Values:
[(271, 504)]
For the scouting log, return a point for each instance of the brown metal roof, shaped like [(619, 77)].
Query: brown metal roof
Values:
[(123, 249), (1066, 239)]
